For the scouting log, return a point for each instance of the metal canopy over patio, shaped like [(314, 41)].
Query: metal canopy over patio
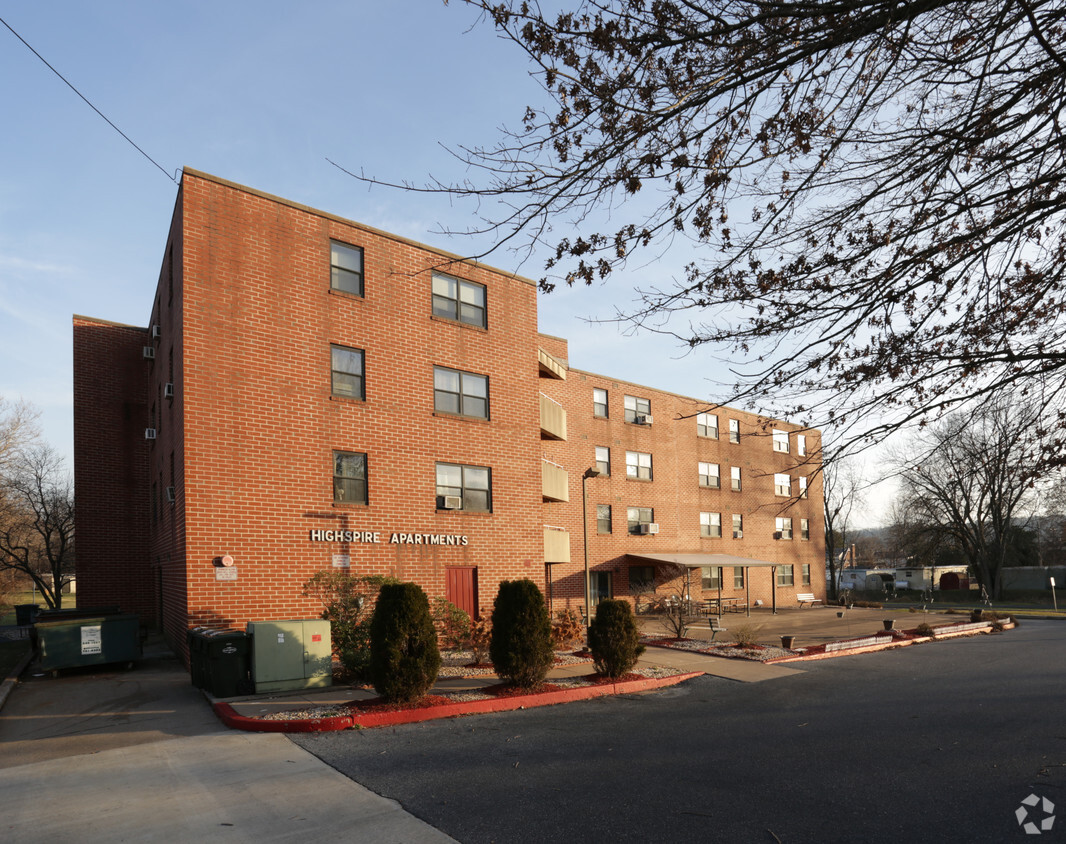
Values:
[(699, 561)]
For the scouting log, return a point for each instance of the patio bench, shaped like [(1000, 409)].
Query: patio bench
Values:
[(807, 598), (716, 627)]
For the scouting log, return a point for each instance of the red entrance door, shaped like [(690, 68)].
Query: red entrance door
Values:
[(460, 587)]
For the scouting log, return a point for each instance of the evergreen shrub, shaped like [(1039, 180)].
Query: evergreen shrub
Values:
[(521, 646), (614, 639), (404, 657)]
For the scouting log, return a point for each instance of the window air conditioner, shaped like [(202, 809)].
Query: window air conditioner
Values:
[(649, 527), (168, 390), (149, 433), (170, 494), (157, 332), (643, 420), (148, 352), (453, 502)]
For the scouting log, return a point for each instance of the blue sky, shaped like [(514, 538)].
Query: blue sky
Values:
[(261, 94)]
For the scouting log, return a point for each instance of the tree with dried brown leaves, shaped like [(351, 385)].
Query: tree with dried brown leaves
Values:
[(869, 193)]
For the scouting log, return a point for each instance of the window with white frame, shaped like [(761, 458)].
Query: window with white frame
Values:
[(638, 465), (738, 577), (805, 529), (738, 526), (459, 300), (711, 525), (801, 445), (711, 578), (462, 487), (461, 393), (346, 268), (710, 475), (785, 576), (734, 430), (802, 487), (599, 403), (707, 425), (780, 440), (603, 460), (734, 478), (636, 517), (783, 526), (782, 484), (637, 408)]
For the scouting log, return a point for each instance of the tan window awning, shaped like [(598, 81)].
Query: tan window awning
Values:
[(698, 561)]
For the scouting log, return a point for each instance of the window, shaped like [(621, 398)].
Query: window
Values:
[(636, 407), (709, 475), (603, 518), (780, 440), (785, 576), (707, 425), (346, 268), (801, 445), (805, 573), (711, 525), (603, 460), (462, 393), (738, 577), (711, 578), (734, 478), (637, 516), (347, 377), (783, 526), (641, 578), (782, 485), (462, 301), (805, 529), (471, 485), (638, 465), (738, 526), (599, 403), (802, 487), (734, 431), (349, 477)]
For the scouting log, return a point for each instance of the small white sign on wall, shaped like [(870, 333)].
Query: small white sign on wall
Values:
[(342, 561), (222, 573)]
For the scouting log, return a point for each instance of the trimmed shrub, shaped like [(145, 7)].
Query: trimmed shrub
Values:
[(614, 639), (404, 657), (348, 607), (521, 646)]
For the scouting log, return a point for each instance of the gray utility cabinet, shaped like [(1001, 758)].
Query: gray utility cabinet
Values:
[(290, 655)]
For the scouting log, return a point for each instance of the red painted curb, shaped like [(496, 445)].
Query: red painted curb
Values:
[(229, 716)]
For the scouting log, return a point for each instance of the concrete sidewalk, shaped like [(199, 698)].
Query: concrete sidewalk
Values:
[(138, 755)]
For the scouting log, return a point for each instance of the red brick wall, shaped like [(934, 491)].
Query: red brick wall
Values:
[(110, 455), (674, 492), (260, 423)]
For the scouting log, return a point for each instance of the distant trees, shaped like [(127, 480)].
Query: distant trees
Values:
[(970, 482), (842, 487)]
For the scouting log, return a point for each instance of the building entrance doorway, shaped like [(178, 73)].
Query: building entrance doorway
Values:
[(600, 586), (460, 587)]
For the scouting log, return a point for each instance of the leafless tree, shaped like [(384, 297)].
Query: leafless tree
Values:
[(869, 193), (974, 478), (842, 486), (18, 430), (37, 521)]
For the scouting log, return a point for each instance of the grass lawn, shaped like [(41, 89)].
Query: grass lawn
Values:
[(11, 653), (27, 597)]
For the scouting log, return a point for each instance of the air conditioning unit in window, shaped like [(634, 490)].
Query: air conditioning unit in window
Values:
[(170, 494), (649, 527), (453, 502), (148, 352), (157, 332), (149, 433), (168, 390), (643, 419)]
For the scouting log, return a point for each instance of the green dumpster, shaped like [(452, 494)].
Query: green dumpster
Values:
[(78, 642)]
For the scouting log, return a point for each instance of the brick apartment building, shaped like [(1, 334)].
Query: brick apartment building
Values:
[(311, 393)]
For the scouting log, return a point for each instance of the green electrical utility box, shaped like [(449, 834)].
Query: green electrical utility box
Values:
[(289, 655), (77, 642)]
